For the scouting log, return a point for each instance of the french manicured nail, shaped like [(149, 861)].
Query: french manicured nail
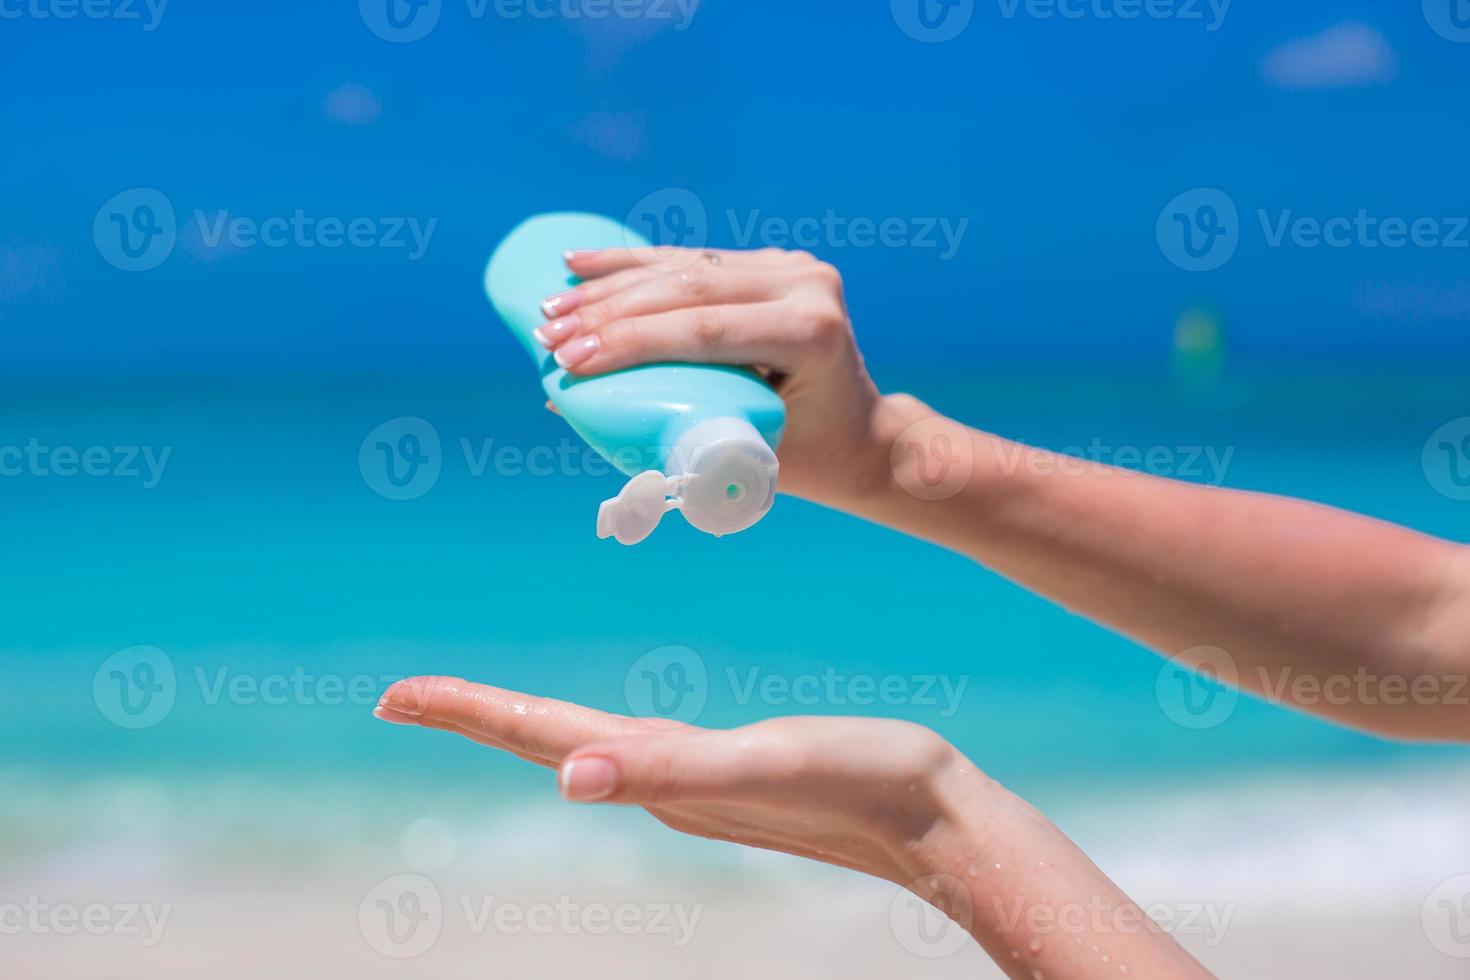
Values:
[(575, 352), (557, 331), (575, 255), (561, 304), (586, 780), (404, 699), (393, 717)]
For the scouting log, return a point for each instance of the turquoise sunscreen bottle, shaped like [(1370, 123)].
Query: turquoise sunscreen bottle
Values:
[(697, 438)]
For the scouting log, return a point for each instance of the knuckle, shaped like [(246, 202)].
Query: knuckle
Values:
[(827, 275), (518, 729), (629, 336), (694, 283), (818, 320), (598, 290), (602, 312), (662, 779), (425, 695), (709, 328)]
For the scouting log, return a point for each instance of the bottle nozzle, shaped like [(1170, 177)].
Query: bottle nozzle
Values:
[(723, 479)]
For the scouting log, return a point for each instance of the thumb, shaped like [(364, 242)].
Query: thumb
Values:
[(652, 769)]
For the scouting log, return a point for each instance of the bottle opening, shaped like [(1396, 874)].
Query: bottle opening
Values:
[(728, 475)]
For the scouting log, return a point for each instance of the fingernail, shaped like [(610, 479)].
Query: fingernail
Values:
[(585, 780), (561, 303), (574, 353), (403, 698), (393, 717), (575, 255), (557, 331)]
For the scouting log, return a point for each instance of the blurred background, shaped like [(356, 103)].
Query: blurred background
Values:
[(240, 243)]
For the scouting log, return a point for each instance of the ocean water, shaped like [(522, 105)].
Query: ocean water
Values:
[(274, 588), (266, 568)]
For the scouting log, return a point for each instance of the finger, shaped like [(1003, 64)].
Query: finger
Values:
[(751, 333), (590, 264), (552, 409), (519, 723), (595, 290), (683, 767), (703, 285)]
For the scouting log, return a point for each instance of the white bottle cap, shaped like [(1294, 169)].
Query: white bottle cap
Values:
[(722, 475)]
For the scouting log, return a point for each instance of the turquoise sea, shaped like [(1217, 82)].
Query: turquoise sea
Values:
[(263, 555), (234, 761)]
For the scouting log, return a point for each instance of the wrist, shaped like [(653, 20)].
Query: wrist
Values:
[(961, 862), (877, 468), (921, 463), (1011, 879), (949, 822), (970, 818)]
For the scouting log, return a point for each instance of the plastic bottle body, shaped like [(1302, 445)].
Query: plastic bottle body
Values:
[(710, 431)]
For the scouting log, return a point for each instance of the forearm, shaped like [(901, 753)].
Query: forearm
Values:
[(1306, 600), (1030, 897)]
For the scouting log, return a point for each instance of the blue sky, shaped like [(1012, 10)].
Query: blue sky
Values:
[(1048, 146)]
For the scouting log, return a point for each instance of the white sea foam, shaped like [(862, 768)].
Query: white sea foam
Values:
[(1350, 841)]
